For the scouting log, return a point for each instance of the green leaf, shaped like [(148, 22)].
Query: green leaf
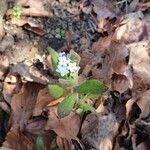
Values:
[(74, 57), (92, 87), (86, 107), (66, 106), (40, 143), (54, 57), (55, 90)]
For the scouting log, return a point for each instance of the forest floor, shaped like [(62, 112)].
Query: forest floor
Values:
[(112, 39)]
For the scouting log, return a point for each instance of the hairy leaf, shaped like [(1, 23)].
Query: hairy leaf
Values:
[(91, 87), (56, 91), (66, 105)]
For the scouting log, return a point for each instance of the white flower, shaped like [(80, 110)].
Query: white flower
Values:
[(63, 70), (63, 59), (73, 67)]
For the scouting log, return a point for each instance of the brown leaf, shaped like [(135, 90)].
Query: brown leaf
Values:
[(139, 59), (119, 53), (64, 144), (43, 99), (15, 140), (144, 104), (22, 104), (29, 25), (12, 85), (120, 83), (4, 63), (67, 127), (36, 126), (36, 8), (131, 28), (5, 106), (99, 130), (31, 73)]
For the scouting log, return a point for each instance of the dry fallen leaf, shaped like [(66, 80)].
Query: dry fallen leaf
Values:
[(144, 104), (22, 104), (12, 85), (67, 127), (131, 28), (98, 131), (16, 140), (34, 8), (139, 59), (4, 64), (43, 99)]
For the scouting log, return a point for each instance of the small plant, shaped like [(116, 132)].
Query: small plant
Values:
[(17, 11), (75, 94), (59, 33)]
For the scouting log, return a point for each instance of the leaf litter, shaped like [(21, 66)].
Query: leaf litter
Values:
[(112, 39)]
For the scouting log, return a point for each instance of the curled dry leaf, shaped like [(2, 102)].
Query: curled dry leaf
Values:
[(98, 130), (31, 73), (12, 85), (67, 127), (28, 25), (120, 83), (4, 64)]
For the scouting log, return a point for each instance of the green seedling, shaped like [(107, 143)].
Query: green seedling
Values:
[(59, 33), (17, 11)]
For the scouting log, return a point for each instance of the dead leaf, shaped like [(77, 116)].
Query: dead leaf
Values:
[(12, 85), (15, 140), (120, 83), (98, 131), (36, 8), (31, 73), (64, 144), (29, 25), (36, 126), (43, 99), (119, 53), (144, 104), (139, 60), (4, 64), (22, 104), (131, 28), (5, 106), (67, 127)]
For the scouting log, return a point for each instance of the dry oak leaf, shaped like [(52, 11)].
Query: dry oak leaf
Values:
[(67, 127), (23, 103)]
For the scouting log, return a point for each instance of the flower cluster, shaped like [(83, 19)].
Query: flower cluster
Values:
[(65, 65)]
